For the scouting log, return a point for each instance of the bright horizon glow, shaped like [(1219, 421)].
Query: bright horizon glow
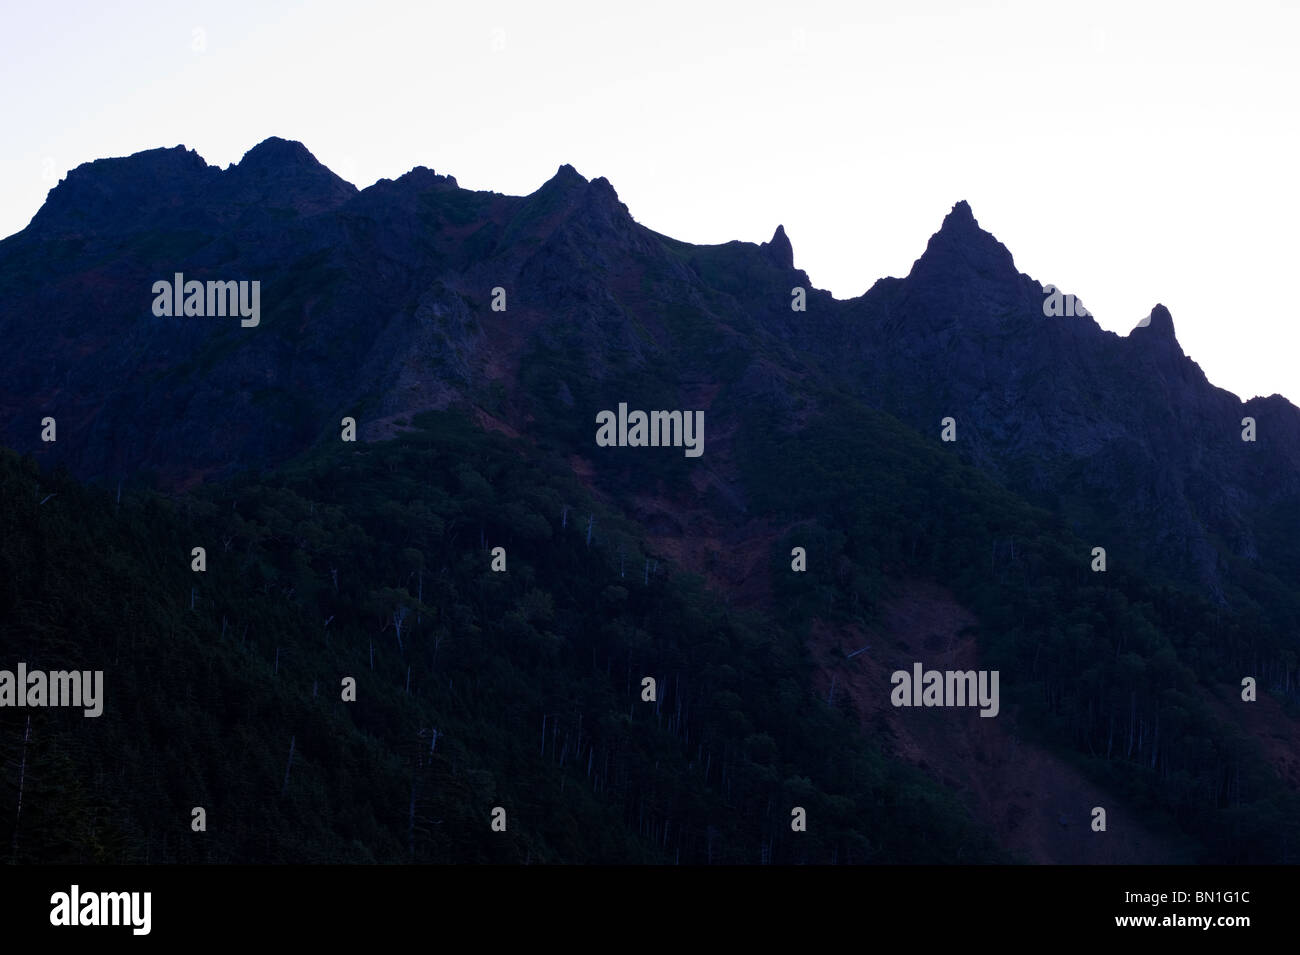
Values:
[(1128, 154)]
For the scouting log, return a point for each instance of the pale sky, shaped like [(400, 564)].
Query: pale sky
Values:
[(1128, 152)]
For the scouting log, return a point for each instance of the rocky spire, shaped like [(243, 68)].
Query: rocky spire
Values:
[(961, 246), (1158, 327), (779, 249)]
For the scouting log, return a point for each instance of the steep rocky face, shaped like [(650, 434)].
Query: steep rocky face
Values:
[(379, 303), (1122, 435)]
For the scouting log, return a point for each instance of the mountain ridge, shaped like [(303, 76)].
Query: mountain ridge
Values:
[(378, 304), (275, 155)]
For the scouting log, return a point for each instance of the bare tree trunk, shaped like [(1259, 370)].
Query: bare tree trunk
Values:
[(1155, 742), (22, 776), (1132, 714), (410, 821), (288, 766), (399, 617)]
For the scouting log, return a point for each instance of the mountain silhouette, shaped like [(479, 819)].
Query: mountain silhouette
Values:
[(825, 423), (377, 304)]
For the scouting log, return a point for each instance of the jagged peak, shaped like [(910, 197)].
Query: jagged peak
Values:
[(1159, 321), (276, 152), (567, 183), (566, 175), (603, 187), (1157, 326), (587, 198), (178, 158), (121, 188), (424, 177), (959, 217), (779, 250), (284, 172), (603, 202), (961, 245)]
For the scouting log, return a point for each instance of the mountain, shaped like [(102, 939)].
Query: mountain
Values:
[(377, 305), (528, 317)]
